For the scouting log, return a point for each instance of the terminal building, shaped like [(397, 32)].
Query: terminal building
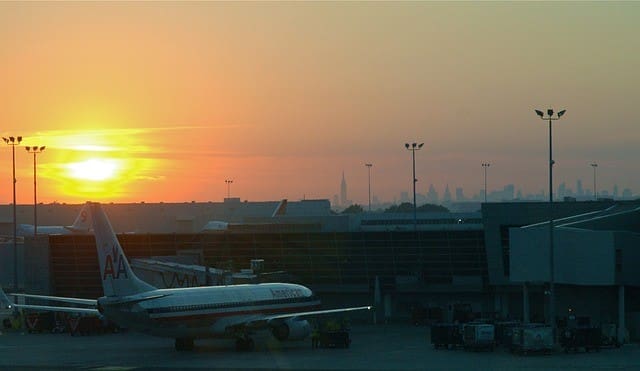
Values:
[(495, 260)]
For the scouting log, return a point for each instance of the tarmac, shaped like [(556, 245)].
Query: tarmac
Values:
[(374, 347)]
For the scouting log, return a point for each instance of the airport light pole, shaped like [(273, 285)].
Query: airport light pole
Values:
[(369, 170), (552, 299), (485, 166), (413, 148), (13, 142), (228, 181), (35, 150), (595, 190)]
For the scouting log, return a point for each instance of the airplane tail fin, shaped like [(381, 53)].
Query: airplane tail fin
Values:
[(83, 221), (281, 209), (117, 277)]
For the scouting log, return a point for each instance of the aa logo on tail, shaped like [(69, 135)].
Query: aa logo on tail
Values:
[(114, 267)]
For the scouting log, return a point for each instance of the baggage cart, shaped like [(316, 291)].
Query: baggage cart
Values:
[(477, 336), (532, 338)]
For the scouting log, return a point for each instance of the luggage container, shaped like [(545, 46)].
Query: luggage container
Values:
[(532, 338), (476, 336)]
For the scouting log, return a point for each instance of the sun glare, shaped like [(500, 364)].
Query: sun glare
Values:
[(94, 169)]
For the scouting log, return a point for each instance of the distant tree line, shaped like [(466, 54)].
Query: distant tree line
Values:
[(405, 207)]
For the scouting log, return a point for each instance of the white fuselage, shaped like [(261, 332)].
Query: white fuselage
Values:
[(200, 312), (27, 230)]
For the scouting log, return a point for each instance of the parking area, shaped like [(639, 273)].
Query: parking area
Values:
[(382, 347)]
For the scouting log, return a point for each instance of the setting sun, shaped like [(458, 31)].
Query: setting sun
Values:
[(94, 169)]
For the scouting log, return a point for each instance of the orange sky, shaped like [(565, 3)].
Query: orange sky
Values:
[(155, 101)]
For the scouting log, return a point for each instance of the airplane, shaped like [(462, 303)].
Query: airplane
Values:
[(81, 225), (185, 314), (218, 225)]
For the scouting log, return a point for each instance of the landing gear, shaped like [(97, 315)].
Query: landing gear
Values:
[(184, 344), (245, 344)]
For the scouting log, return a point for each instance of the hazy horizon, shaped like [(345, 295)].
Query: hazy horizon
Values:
[(163, 102)]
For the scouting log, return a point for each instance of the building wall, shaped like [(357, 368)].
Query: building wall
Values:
[(404, 261), (37, 274), (529, 255), (34, 275), (627, 258), (581, 257), (7, 265), (584, 257), (499, 218)]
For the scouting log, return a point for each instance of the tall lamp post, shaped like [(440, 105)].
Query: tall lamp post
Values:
[(369, 170), (552, 299), (35, 150), (485, 166), (595, 190), (228, 181), (413, 147), (13, 142)]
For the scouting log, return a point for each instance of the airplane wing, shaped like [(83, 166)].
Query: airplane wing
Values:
[(257, 321), (6, 303), (314, 313), (48, 308), (62, 299)]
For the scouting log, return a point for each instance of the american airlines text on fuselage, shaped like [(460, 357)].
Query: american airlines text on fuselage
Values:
[(286, 293)]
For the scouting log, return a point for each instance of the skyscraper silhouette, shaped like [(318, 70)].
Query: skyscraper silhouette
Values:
[(343, 191), (447, 195), (579, 190)]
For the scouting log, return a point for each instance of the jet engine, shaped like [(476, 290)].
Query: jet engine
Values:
[(291, 329)]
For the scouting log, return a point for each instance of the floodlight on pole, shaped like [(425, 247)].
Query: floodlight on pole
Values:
[(35, 150), (485, 166), (413, 148), (595, 189), (228, 181), (369, 171), (552, 300), (13, 142)]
